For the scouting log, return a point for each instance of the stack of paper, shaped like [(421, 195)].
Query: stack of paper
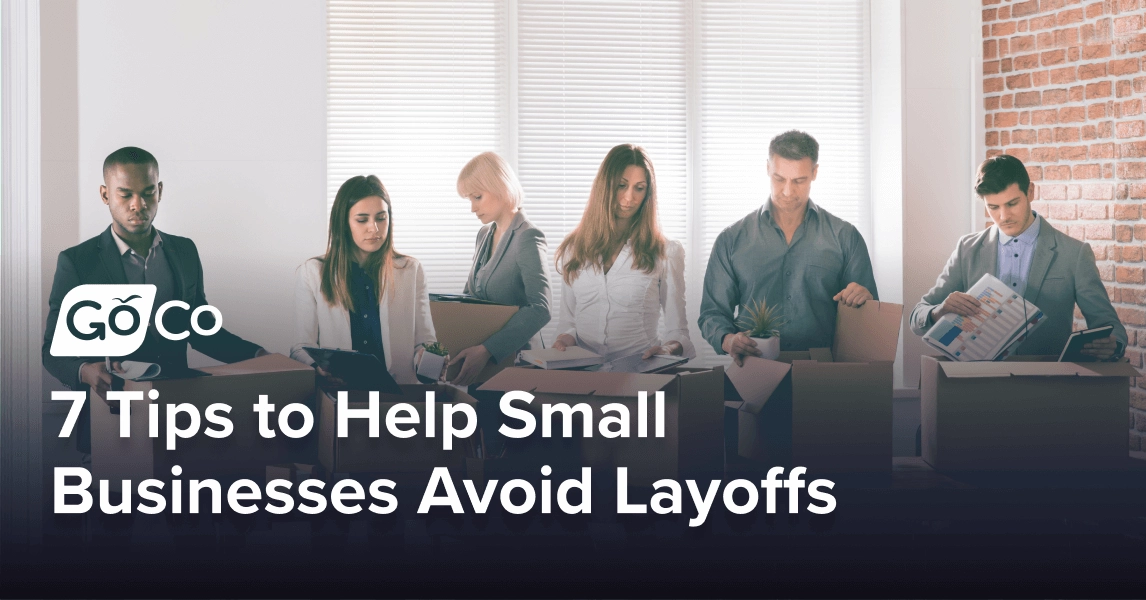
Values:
[(569, 358), (1005, 318)]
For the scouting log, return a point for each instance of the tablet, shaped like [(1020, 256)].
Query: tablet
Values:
[(1072, 352), (359, 370), (634, 364)]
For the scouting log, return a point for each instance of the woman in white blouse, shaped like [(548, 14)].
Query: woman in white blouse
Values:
[(619, 271), (361, 294)]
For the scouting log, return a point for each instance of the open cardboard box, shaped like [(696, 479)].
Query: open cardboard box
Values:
[(1027, 413), (244, 453), (824, 409), (360, 453), (461, 325), (693, 445)]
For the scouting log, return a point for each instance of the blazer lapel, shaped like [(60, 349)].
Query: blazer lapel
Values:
[(989, 259), (1040, 263), (384, 320), (110, 258), (175, 263), (506, 238), (477, 256)]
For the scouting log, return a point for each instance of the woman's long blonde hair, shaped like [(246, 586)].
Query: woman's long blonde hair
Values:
[(340, 244), (597, 237)]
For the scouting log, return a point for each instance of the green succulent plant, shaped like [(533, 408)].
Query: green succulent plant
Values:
[(762, 321), (436, 348)]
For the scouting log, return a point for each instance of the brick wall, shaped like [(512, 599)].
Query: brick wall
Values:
[(1063, 84)]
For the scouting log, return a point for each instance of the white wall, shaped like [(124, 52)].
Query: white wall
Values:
[(887, 154), (230, 96), (942, 105)]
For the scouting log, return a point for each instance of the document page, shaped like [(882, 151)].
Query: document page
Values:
[(1004, 317)]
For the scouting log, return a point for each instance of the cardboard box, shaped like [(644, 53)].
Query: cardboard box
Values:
[(693, 445), (244, 453), (1027, 414), (824, 409), (360, 453), (461, 325)]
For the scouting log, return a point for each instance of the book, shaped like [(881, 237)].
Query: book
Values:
[(569, 358), (1004, 320)]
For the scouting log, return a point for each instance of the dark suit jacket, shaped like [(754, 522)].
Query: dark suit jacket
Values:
[(97, 261)]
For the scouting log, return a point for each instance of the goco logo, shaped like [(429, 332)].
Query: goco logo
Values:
[(112, 320)]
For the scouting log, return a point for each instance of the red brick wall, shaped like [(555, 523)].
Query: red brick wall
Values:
[(1064, 83)]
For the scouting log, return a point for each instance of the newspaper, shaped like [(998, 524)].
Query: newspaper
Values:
[(1003, 322)]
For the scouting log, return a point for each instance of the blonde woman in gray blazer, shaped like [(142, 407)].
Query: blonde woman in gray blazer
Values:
[(509, 264), (1050, 269)]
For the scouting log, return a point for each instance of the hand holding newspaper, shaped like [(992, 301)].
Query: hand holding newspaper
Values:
[(1004, 320)]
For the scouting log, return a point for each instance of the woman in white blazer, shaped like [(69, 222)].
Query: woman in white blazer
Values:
[(362, 295), (620, 273)]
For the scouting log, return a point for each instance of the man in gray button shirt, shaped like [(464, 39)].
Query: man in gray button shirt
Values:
[(789, 254)]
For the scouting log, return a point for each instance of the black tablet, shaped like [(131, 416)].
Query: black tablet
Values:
[(359, 370), (1073, 350)]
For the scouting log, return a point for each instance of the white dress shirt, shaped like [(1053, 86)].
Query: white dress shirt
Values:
[(404, 310), (618, 313)]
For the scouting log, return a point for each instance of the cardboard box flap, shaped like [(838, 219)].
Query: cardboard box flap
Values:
[(271, 363), (868, 333), (581, 383), (756, 380), (965, 370), (1118, 369), (820, 354)]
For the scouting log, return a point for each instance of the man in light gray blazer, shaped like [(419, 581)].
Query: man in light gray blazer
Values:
[(1052, 270)]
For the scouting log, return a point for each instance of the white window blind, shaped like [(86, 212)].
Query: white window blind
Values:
[(419, 87), (767, 67), (414, 93), (592, 75)]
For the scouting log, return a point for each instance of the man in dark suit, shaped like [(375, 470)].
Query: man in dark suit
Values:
[(133, 251)]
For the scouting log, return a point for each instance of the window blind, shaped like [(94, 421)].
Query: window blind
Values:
[(591, 75), (767, 67), (414, 93), (417, 88)]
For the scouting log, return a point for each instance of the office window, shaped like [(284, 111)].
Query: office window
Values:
[(415, 92), (767, 67), (418, 88)]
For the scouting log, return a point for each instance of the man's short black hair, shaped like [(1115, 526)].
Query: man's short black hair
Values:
[(999, 172), (795, 145), (130, 155)]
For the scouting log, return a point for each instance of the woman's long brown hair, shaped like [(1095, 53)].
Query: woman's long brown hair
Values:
[(597, 237), (340, 244)]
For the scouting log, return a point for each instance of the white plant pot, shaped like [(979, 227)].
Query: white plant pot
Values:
[(430, 366), (769, 347)]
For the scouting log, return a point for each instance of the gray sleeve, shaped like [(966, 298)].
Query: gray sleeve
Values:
[(64, 368), (530, 318), (950, 280), (720, 297), (858, 268), (1091, 297)]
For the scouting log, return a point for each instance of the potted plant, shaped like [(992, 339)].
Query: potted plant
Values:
[(433, 359), (763, 324)]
